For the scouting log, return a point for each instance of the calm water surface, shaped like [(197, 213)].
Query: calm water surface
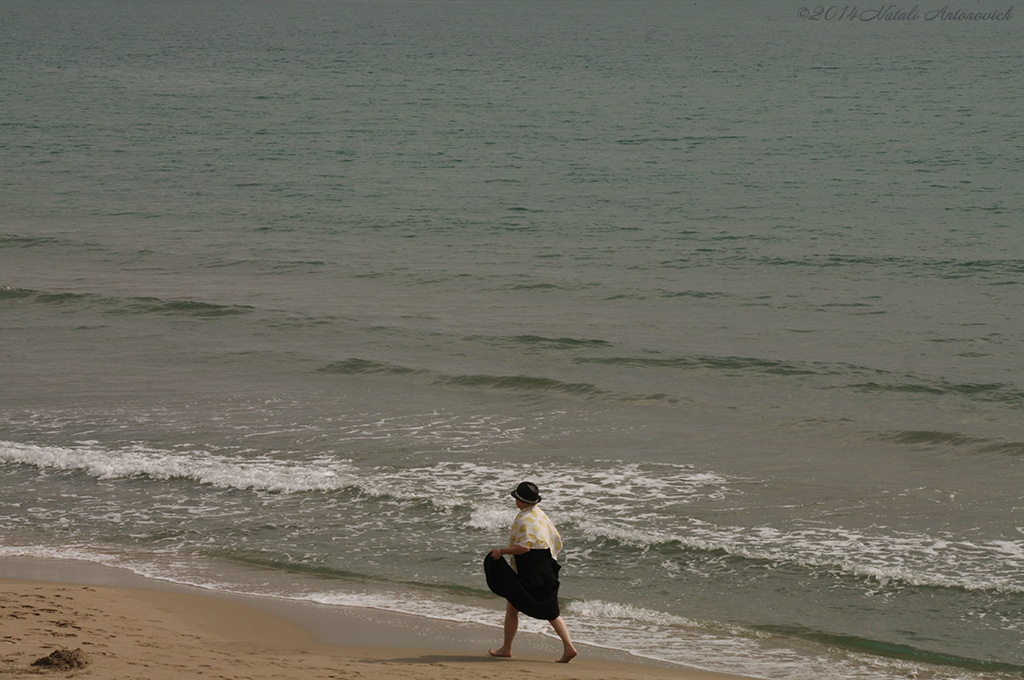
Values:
[(293, 292)]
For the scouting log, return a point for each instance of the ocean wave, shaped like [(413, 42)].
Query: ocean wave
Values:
[(541, 341), (944, 268), (449, 484), (932, 438), (258, 474), (535, 286), (521, 383), (632, 613), (192, 308), (883, 559), (579, 490), (829, 375), (725, 363), (42, 297), (515, 383), (356, 366), (45, 242), (631, 508), (123, 306), (1001, 393)]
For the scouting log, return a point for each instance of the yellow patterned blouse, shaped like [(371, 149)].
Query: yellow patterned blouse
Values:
[(532, 529)]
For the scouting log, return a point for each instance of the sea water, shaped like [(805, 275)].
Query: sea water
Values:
[(293, 293)]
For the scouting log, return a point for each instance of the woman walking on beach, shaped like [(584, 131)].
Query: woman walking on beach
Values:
[(530, 584)]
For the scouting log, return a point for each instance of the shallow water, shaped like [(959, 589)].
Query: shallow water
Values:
[(293, 293)]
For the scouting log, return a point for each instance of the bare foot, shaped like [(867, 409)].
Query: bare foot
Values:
[(569, 655), (502, 653)]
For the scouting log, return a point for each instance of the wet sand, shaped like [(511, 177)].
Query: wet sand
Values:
[(166, 631)]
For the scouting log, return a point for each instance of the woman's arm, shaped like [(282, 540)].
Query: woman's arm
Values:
[(514, 550)]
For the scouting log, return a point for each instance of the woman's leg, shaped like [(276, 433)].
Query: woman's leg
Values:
[(568, 651), (511, 626)]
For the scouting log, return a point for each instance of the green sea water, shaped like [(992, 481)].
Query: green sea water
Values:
[(292, 288)]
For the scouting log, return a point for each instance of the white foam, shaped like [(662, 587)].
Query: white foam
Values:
[(257, 473), (636, 505)]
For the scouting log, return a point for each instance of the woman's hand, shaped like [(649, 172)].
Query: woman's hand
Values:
[(496, 554)]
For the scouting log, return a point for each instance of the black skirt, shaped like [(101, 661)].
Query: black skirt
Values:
[(534, 590)]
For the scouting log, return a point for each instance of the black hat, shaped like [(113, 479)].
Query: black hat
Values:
[(527, 492)]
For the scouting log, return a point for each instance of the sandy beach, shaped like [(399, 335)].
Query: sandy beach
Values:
[(154, 632)]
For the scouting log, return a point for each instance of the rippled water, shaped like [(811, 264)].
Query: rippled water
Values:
[(290, 290)]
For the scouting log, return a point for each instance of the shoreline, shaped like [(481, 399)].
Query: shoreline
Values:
[(128, 624)]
